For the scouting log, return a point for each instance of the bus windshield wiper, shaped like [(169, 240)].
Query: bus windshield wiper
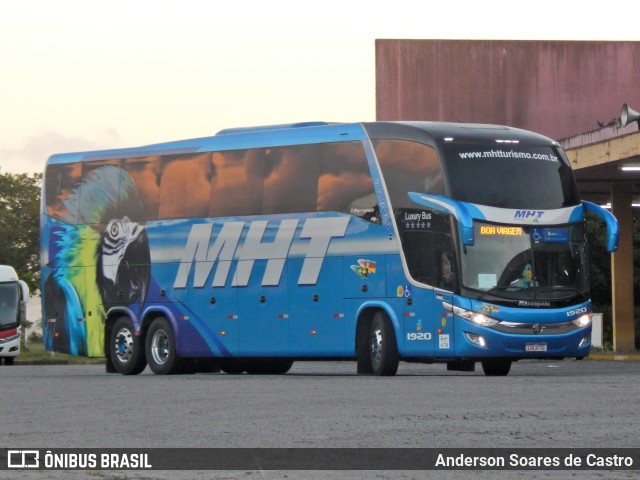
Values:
[(560, 288), (495, 291), (509, 288)]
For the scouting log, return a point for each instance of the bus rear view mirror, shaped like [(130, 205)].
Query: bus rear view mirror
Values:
[(610, 220)]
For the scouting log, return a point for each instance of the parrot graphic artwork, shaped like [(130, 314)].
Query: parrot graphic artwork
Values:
[(98, 256)]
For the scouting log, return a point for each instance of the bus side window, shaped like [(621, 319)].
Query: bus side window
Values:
[(418, 247), (444, 262), (428, 247), (236, 182), (145, 173), (408, 167), (61, 182), (290, 179), (344, 181), (185, 174)]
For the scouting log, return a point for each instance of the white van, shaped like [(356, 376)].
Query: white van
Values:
[(14, 295)]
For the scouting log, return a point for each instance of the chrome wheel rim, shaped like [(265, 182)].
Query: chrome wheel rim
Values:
[(123, 346), (160, 347)]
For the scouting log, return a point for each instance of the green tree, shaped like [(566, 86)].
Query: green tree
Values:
[(20, 226)]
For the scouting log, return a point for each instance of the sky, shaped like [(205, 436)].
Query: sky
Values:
[(79, 75)]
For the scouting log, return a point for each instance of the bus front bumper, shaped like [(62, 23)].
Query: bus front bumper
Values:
[(10, 345), (482, 342)]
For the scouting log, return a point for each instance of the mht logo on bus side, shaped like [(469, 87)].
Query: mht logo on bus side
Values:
[(226, 248)]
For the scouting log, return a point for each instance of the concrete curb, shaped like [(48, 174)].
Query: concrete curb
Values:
[(55, 362), (614, 356), (41, 362)]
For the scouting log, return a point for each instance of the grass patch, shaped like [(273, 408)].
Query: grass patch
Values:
[(35, 353)]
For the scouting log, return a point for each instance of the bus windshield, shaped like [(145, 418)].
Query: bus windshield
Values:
[(509, 176), (528, 263), (8, 304)]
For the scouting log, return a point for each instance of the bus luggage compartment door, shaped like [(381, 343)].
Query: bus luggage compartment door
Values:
[(263, 316)]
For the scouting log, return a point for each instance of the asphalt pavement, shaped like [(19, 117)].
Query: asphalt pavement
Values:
[(541, 404)]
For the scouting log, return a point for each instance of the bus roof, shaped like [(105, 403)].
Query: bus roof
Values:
[(454, 131), (310, 132)]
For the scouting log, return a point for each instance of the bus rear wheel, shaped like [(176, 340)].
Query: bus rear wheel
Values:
[(496, 368), (127, 356), (383, 349), (161, 348)]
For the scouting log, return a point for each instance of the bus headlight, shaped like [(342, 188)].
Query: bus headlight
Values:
[(583, 321), (475, 317), (482, 320)]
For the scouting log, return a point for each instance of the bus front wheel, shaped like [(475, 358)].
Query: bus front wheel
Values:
[(496, 368), (383, 349), (161, 348), (127, 356)]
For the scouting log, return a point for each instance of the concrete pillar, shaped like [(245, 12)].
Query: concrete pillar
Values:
[(622, 271)]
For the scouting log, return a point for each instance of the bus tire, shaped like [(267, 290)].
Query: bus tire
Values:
[(383, 348), (160, 348), (269, 366), (496, 367), (9, 360), (127, 355), (362, 349)]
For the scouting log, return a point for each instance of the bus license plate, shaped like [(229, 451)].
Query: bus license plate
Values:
[(535, 347)]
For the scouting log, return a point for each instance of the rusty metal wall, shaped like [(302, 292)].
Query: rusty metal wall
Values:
[(557, 88)]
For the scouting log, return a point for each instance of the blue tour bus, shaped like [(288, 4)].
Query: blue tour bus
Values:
[(376, 242)]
